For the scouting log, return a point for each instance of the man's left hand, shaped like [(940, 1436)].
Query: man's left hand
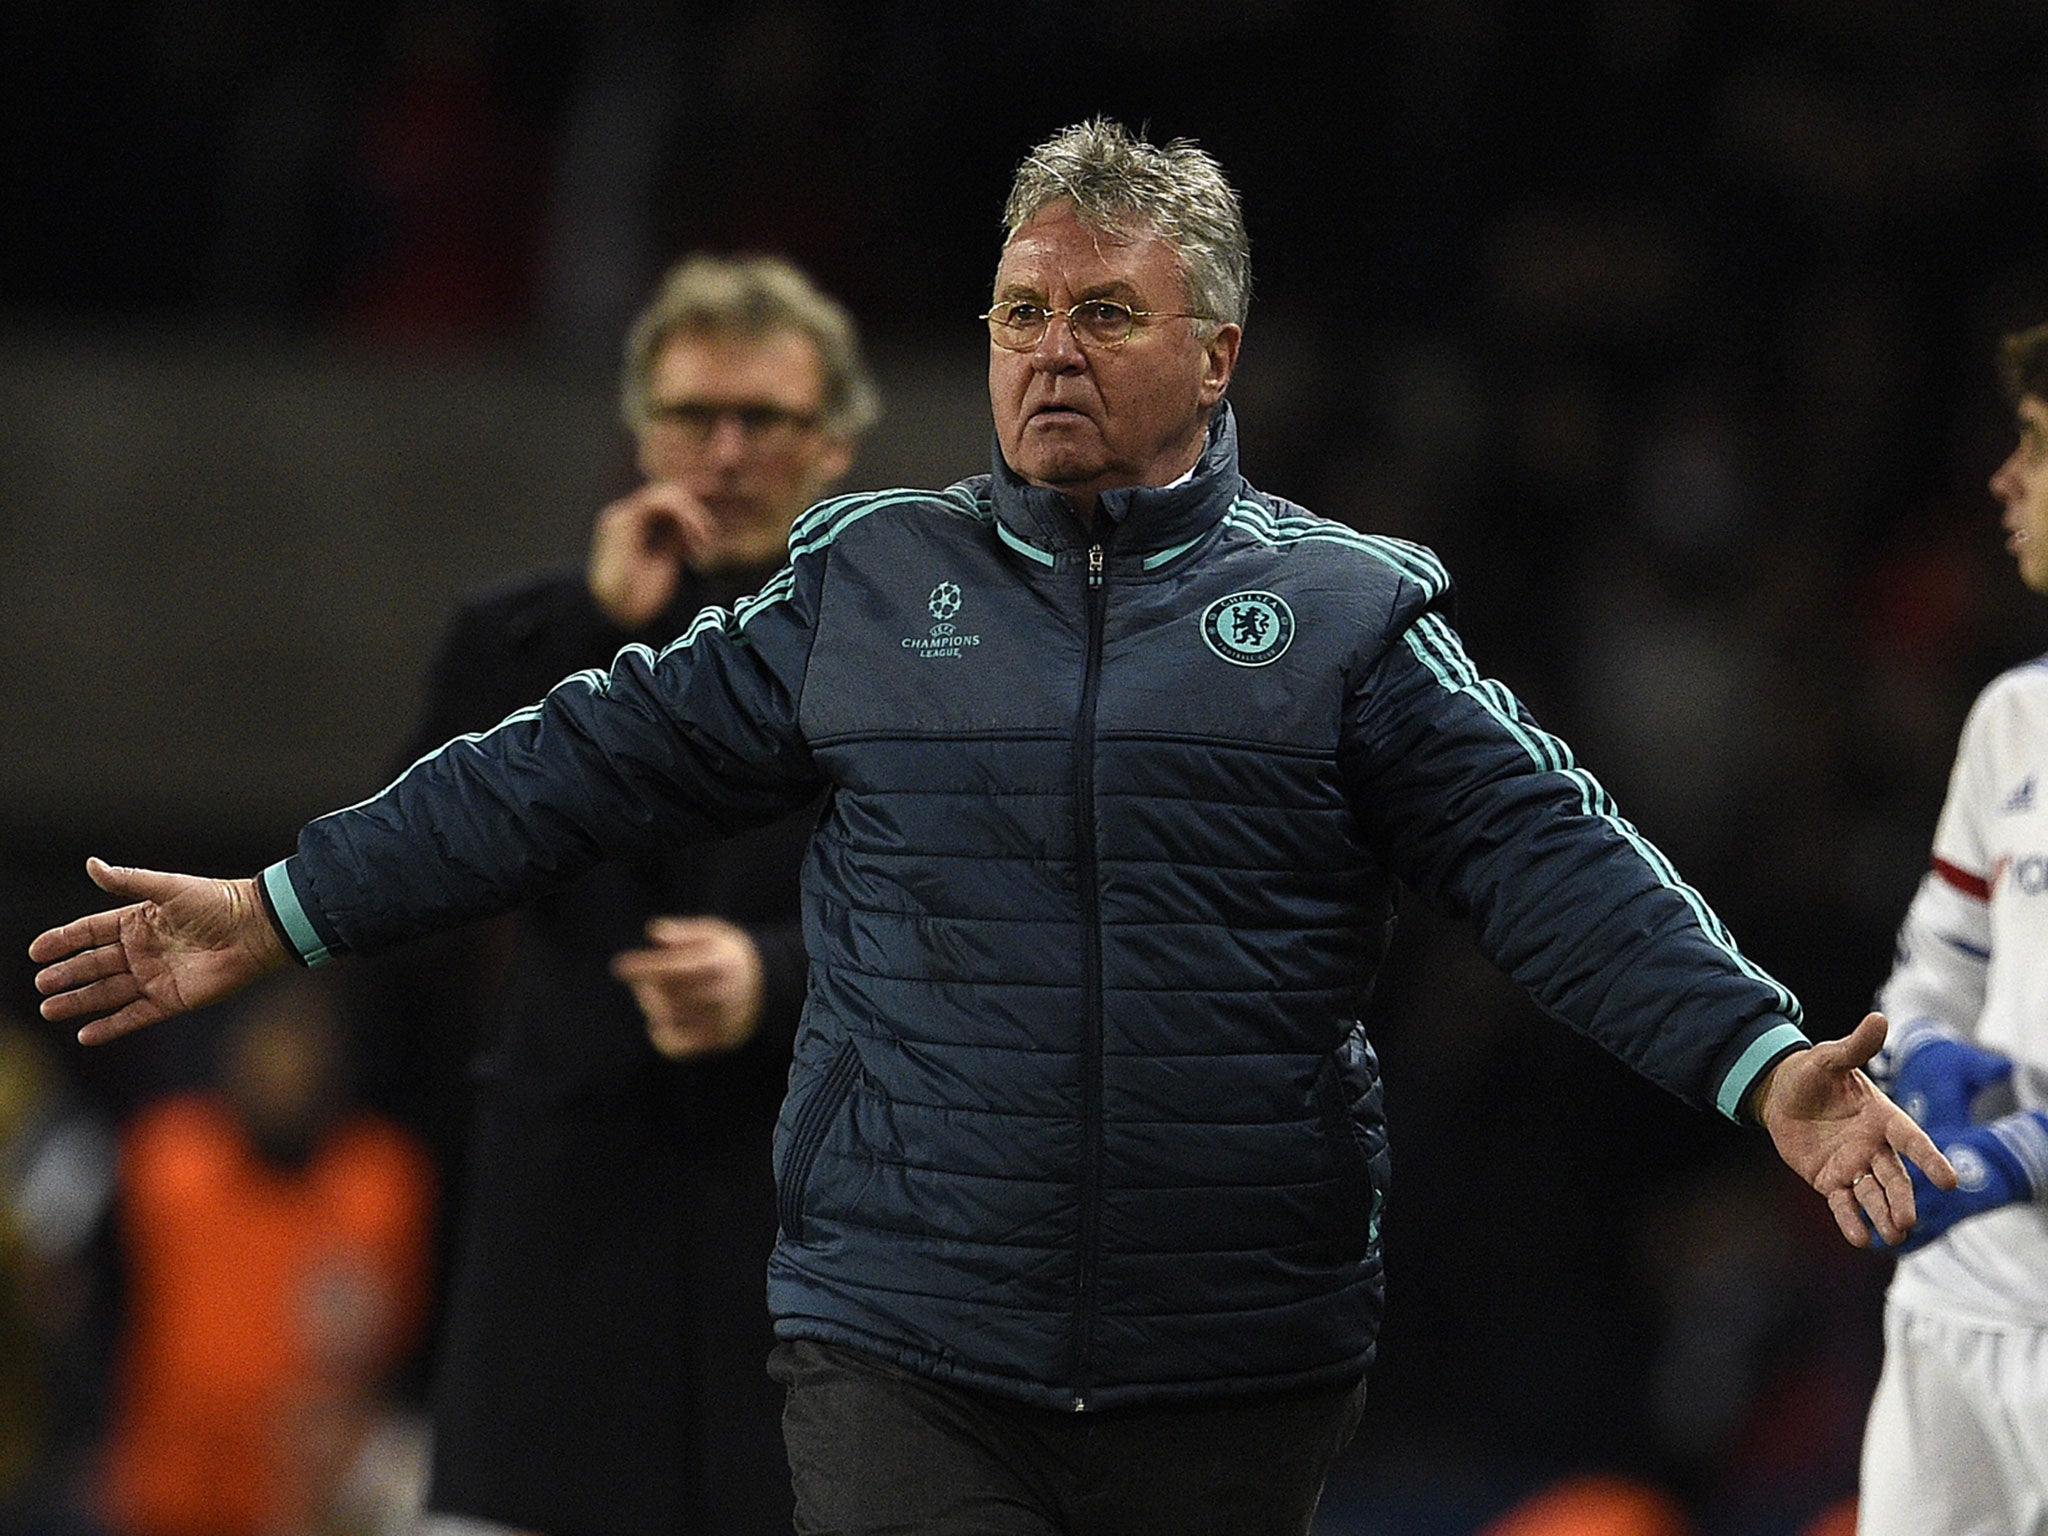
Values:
[(1834, 1129), (699, 984)]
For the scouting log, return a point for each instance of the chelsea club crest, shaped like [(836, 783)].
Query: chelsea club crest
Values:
[(1248, 629)]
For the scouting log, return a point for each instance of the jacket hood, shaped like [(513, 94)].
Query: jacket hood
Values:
[(1145, 518)]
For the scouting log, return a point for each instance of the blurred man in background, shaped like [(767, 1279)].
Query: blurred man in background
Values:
[(603, 1359), (1957, 1441)]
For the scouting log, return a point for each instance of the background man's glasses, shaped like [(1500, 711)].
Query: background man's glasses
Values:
[(760, 419), (1019, 325)]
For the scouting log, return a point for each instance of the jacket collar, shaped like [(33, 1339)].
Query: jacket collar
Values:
[(1145, 518)]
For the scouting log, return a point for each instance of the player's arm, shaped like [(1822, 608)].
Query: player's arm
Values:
[(1936, 992), (1940, 1076), (1931, 1066), (1999, 1163)]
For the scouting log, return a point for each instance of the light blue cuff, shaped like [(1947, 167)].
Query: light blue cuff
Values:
[(291, 912), (1743, 1075)]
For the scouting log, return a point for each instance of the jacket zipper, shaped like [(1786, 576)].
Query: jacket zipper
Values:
[(1090, 1235)]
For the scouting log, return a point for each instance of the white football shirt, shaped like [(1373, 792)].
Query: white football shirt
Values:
[(1973, 959)]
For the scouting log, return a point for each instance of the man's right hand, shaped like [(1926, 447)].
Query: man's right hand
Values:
[(184, 942), (643, 543)]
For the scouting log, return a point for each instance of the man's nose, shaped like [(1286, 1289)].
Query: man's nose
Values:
[(1059, 349), (728, 439), (2004, 479)]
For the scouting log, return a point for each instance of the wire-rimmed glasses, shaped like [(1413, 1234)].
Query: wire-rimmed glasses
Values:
[(1018, 325)]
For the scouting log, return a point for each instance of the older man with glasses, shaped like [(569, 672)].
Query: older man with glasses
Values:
[(1081, 1173)]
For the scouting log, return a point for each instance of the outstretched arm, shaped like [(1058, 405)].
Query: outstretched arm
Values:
[(182, 943), (1836, 1131)]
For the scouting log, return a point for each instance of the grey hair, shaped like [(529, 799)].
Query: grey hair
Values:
[(1126, 186), (751, 296)]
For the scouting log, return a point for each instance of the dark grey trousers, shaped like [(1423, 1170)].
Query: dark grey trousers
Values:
[(876, 1450)]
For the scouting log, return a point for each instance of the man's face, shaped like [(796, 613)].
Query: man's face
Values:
[(734, 421), (1084, 418), (2021, 483)]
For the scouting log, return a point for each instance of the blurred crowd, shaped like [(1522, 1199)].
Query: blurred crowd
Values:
[(1668, 323)]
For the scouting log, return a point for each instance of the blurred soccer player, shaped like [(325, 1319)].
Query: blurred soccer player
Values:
[(1957, 1442)]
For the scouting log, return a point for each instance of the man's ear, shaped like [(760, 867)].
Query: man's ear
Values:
[(1219, 357)]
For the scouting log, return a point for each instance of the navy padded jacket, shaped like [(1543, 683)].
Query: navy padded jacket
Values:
[(1081, 1111)]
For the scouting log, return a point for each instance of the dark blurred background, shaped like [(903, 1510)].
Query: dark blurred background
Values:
[(1668, 323)]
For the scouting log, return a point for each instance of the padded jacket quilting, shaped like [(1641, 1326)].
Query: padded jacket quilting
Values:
[(1081, 1111)]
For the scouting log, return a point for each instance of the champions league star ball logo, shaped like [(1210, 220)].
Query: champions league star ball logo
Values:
[(1248, 629), (943, 641)]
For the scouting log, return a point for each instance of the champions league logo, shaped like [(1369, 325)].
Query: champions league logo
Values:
[(1248, 629), (943, 641)]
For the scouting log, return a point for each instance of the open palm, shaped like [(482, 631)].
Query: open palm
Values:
[(182, 943), (1834, 1129)]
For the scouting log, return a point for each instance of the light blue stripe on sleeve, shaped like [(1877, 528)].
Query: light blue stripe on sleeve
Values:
[(298, 927), (1743, 1073)]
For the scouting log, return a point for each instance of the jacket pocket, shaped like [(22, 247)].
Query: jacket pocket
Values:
[(807, 1132), (1352, 1103)]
